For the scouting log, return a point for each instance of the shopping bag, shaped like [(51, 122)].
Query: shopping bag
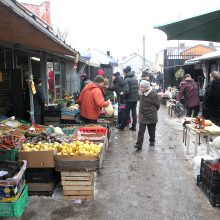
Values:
[(109, 110)]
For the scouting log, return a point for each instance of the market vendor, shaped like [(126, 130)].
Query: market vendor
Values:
[(91, 100)]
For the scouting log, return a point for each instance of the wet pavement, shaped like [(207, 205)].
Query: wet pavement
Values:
[(155, 183)]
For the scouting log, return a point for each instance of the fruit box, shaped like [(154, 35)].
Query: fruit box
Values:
[(11, 188), (79, 162), (38, 159)]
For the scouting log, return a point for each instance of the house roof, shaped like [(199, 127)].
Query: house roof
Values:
[(132, 57), (199, 45), (207, 56), (17, 26)]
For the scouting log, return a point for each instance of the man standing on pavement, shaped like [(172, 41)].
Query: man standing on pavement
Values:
[(149, 105), (130, 92)]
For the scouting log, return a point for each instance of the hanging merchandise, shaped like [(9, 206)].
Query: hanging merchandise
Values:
[(179, 74), (33, 89)]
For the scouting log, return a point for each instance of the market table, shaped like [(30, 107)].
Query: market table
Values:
[(208, 132)]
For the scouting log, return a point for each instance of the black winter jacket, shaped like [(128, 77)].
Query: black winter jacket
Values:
[(118, 85), (211, 100), (131, 88), (39, 100)]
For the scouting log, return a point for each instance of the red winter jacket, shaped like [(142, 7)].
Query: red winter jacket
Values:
[(90, 101), (189, 90)]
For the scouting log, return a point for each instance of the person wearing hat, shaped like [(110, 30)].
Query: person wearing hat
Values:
[(190, 91), (149, 105), (106, 81), (130, 92), (91, 100), (118, 85), (84, 80)]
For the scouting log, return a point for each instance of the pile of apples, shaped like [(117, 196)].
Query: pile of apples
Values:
[(79, 148)]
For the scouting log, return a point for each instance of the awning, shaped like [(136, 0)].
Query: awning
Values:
[(96, 57), (21, 29), (203, 27)]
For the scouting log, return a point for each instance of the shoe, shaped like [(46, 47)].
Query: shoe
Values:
[(152, 143), (121, 128), (132, 129), (138, 147)]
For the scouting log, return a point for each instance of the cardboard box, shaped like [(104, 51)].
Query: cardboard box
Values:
[(38, 159)]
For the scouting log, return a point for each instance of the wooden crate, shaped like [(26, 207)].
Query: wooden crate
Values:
[(78, 185), (79, 163)]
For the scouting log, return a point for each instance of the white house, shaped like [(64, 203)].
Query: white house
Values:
[(137, 64)]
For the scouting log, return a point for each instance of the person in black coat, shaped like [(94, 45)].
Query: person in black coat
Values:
[(130, 92), (38, 100), (118, 85), (211, 99), (84, 80)]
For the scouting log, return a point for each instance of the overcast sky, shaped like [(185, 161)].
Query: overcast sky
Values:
[(119, 25)]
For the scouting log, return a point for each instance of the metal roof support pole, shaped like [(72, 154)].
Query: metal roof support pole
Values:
[(43, 74), (30, 91)]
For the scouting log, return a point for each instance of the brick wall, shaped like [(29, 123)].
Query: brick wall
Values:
[(42, 10)]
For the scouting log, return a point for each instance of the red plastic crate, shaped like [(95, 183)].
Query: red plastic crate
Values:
[(93, 130)]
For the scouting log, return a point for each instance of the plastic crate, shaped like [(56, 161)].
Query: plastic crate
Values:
[(207, 172), (41, 175), (16, 178), (11, 155), (15, 209), (93, 130)]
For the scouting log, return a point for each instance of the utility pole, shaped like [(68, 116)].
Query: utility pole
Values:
[(143, 64)]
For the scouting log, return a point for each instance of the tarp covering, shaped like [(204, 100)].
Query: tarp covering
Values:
[(96, 57), (203, 27)]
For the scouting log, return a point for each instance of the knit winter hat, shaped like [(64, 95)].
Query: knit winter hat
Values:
[(116, 74), (145, 84), (99, 79), (127, 69), (100, 72)]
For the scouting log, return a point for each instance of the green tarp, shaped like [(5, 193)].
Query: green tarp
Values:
[(203, 27)]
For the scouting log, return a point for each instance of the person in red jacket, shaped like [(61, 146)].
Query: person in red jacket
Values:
[(91, 100), (189, 90)]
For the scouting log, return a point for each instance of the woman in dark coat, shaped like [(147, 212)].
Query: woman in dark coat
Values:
[(189, 90), (149, 105), (211, 100)]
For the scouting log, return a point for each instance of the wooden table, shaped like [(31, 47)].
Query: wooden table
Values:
[(208, 132)]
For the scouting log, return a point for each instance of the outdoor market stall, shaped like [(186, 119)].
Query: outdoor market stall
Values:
[(68, 153), (190, 128)]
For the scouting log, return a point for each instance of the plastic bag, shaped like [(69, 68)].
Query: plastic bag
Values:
[(109, 110)]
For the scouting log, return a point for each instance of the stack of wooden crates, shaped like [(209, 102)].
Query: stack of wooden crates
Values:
[(78, 185)]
